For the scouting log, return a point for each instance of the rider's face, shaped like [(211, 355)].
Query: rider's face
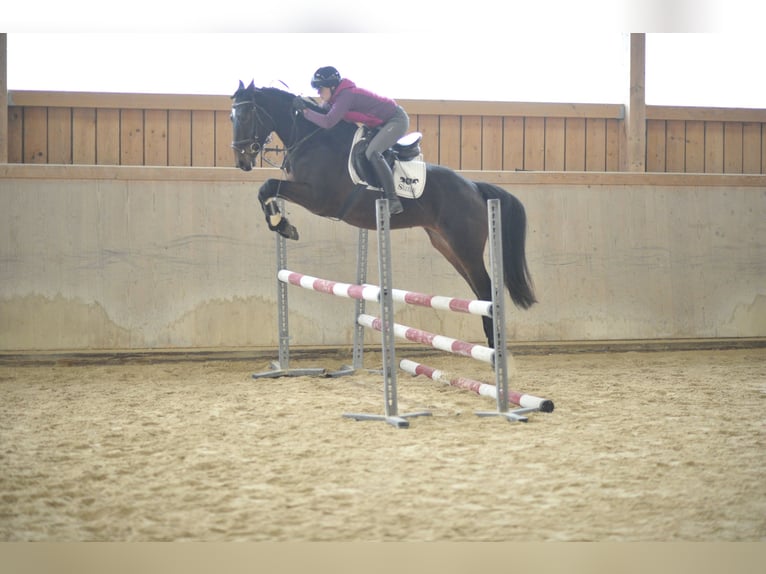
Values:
[(325, 93)]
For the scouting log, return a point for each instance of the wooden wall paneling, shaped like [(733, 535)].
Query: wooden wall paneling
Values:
[(713, 147), (695, 147), (179, 138), (534, 144), (60, 135), (84, 136), (595, 144), (763, 148), (35, 135), (470, 142), (156, 137), (732, 147), (15, 134), (555, 144), (675, 153), (575, 144), (223, 132), (491, 143), (428, 125), (655, 146), (513, 143), (449, 141), (751, 147), (203, 138), (107, 136), (612, 151), (131, 137)]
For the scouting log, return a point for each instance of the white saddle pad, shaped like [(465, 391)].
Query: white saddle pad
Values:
[(409, 176)]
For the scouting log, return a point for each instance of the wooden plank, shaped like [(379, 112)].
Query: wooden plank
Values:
[(223, 102), (470, 142), (695, 147), (155, 137), (555, 144), (413, 107), (575, 144), (35, 129), (713, 147), (595, 145), (120, 101), (60, 135), (513, 143), (675, 152), (428, 125), (108, 137), (526, 109), (83, 136), (491, 142), (613, 128), (655, 145), (634, 156), (179, 138), (763, 148), (706, 114), (223, 133), (751, 148), (449, 141), (131, 137), (203, 138), (754, 182), (15, 134), (4, 111), (732, 147), (534, 144)]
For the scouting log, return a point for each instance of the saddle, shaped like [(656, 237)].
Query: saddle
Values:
[(405, 159), (406, 149)]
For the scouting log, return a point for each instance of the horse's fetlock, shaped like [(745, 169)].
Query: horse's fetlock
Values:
[(273, 215), (275, 219)]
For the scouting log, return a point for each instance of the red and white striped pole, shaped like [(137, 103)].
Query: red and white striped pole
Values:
[(372, 293), (483, 389), (478, 352)]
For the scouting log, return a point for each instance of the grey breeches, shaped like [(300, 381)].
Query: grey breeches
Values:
[(389, 133)]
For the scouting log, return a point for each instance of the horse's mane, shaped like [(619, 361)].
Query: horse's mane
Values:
[(341, 133)]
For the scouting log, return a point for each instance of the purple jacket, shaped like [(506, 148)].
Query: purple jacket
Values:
[(354, 105)]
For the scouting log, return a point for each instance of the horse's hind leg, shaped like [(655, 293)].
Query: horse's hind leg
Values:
[(467, 257), (267, 196)]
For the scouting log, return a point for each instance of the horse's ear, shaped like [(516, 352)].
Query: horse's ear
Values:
[(252, 85), (241, 85)]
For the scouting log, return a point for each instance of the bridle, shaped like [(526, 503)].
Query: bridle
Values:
[(251, 145)]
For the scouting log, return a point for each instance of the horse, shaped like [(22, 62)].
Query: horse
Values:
[(452, 209)]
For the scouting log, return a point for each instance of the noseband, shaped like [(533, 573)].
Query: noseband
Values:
[(252, 144)]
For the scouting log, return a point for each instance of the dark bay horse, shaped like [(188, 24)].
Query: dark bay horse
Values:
[(452, 209)]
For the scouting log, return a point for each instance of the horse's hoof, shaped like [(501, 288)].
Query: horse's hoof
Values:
[(287, 231)]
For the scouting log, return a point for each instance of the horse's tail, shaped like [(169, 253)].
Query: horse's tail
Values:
[(514, 234)]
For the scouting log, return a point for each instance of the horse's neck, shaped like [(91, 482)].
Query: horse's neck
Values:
[(290, 132)]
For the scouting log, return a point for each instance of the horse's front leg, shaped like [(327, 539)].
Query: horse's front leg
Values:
[(267, 195)]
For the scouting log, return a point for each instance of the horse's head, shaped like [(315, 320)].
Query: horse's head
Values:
[(252, 126)]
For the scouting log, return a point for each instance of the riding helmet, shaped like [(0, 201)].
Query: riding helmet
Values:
[(327, 77)]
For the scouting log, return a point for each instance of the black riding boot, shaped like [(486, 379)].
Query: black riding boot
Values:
[(386, 178)]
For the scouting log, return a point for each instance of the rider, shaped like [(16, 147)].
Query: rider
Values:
[(343, 100)]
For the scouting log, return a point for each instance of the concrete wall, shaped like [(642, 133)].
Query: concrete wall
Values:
[(135, 258)]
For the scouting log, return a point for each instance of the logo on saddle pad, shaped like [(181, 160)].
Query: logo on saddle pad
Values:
[(409, 174)]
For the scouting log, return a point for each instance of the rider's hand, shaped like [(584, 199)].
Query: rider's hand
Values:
[(299, 104)]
